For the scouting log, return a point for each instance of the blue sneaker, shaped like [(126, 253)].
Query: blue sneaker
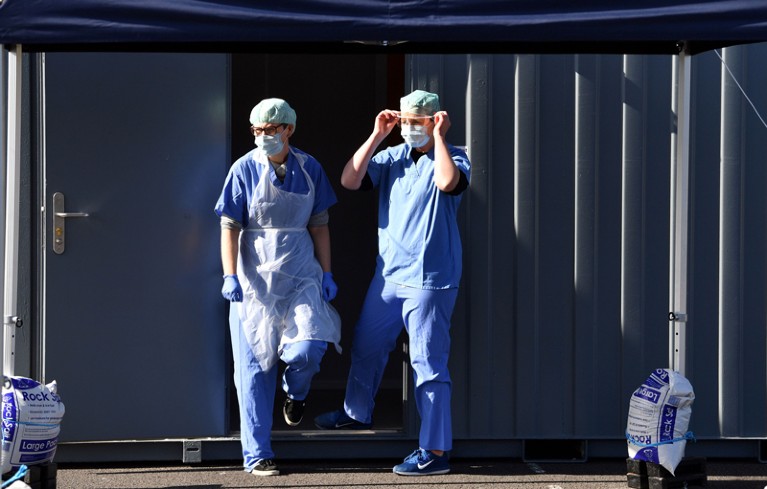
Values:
[(339, 420), (423, 462)]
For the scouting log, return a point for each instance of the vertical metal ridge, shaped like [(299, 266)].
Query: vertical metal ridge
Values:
[(730, 245), (478, 138), (525, 223), (585, 242), (632, 159)]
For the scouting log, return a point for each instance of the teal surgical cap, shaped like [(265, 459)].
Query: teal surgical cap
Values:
[(420, 102), (273, 111)]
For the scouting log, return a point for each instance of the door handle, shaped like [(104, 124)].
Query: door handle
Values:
[(59, 220)]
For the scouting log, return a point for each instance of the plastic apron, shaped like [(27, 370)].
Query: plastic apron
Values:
[(280, 276)]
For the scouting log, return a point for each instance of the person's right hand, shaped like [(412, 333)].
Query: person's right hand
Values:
[(232, 290), (385, 122)]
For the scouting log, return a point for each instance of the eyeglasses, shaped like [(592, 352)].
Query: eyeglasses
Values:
[(414, 120), (268, 130)]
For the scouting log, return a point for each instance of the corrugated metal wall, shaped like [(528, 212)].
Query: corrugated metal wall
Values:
[(563, 310)]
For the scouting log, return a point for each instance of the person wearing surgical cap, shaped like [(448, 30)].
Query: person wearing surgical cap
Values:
[(418, 269), (275, 251)]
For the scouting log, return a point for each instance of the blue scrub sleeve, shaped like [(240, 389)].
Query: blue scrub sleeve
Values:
[(377, 164), (232, 202), (461, 161)]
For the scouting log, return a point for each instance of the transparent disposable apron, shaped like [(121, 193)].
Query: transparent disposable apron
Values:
[(280, 276)]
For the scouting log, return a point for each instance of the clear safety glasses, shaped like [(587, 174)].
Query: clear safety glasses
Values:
[(268, 130), (414, 120)]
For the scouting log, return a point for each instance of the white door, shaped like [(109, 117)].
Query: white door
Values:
[(134, 324)]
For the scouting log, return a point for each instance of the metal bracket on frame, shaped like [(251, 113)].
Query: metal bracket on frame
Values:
[(13, 321), (680, 317)]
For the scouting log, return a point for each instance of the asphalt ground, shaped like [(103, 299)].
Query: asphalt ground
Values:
[(377, 474)]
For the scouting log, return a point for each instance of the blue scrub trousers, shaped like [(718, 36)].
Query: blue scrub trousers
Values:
[(256, 388), (425, 314)]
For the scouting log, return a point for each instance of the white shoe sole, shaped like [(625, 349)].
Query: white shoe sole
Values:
[(436, 472)]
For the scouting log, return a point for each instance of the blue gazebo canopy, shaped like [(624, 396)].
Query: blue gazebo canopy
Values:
[(446, 25)]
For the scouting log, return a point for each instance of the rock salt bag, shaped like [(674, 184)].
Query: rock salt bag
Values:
[(659, 414), (32, 414)]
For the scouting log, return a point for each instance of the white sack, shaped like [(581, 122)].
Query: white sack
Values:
[(659, 414), (32, 415)]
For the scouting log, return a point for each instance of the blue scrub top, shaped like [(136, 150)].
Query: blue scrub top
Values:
[(418, 240), (245, 173)]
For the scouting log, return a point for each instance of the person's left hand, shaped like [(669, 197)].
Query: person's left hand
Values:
[(441, 123), (232, 290), (329, 287)]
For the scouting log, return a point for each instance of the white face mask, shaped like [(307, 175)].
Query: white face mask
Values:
[(271, 145), (414, 135)]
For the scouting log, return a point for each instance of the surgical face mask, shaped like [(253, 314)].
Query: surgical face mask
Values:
[(271, 145), (414, 135)]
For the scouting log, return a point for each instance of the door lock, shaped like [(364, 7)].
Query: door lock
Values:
[(59, 219)]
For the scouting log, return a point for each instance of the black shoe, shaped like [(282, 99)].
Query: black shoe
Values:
[(293, 411), (265, 467)]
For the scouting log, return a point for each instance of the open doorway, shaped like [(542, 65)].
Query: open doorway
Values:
[(336, 98)]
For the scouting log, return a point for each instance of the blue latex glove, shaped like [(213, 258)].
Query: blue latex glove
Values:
[(329, 287), (232, 290)]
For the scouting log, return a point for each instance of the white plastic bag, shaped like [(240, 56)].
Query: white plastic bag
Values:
[(19, 485), (32, 415), (659, 414)]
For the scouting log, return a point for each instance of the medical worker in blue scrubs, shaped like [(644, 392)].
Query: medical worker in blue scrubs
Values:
[(275, 250), (420, 184)]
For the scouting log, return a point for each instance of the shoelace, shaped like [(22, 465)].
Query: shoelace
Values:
[(421, 455), (415, 456)]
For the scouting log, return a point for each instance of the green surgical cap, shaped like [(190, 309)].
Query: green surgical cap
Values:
[(420, 102), (273, 111)]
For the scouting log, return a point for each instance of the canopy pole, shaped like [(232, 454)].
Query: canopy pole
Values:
[(12, 186), (4, 123), (680, 202)]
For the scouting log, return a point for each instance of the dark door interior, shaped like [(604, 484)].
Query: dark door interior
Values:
[(336, 98)]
